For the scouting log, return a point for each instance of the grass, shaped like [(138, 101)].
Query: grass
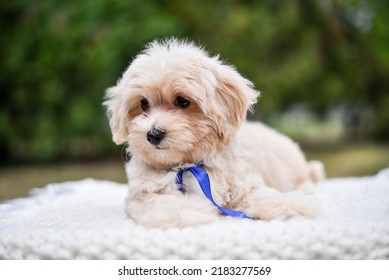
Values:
[(354, 160), (340, 161), (18, 181)]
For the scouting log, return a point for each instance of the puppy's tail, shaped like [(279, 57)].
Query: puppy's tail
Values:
[(316, 170)]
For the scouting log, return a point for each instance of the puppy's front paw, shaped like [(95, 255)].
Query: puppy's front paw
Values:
[(284, 206), (184, 217), (166, 211)]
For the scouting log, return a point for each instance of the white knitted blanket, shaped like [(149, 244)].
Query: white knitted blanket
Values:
[(85, 220)]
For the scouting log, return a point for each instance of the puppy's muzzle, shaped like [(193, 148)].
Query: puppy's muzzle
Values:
[(155, 136)]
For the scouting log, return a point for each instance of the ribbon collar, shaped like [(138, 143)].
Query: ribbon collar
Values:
[(203, 179)]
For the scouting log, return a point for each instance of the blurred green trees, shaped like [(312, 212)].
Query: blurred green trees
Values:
[(57, 58)]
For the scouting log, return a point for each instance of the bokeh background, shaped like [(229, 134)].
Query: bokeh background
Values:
[(322, 67)]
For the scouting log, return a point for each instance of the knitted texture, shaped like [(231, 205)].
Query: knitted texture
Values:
[(86, 220)]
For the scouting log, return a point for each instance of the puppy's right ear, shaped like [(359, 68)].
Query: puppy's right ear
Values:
[(115, 106)]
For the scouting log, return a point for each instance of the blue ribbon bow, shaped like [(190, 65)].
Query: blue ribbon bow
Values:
[(204, 182)]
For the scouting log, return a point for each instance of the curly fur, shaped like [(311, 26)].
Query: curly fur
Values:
[(252, 168)]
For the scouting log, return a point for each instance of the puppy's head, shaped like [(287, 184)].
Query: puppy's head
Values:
[(175, 104)]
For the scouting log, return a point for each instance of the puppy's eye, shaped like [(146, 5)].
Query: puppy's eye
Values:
[(182, 102), (144, 104)]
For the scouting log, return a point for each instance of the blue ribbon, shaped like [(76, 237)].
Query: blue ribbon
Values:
[(204, 182)]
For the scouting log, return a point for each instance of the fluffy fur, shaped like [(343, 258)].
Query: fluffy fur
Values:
[(175, 106)]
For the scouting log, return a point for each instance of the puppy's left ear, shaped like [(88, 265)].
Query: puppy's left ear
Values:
[(235, 96), (115, 107)]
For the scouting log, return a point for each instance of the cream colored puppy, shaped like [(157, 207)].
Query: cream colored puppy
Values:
[(174, 107)]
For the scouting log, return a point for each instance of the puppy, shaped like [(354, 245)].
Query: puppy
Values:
[(175, 107)]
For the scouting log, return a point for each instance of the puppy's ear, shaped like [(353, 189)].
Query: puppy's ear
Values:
[(115, 107), (235, 96)]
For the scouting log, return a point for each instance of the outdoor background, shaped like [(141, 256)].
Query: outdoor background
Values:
[(322, 67)]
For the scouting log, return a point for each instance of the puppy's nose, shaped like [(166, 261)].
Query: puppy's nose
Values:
[(155, 136)]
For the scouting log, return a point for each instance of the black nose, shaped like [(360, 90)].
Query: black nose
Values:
[(155, 136)]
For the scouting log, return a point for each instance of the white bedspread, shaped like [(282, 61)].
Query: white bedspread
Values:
[(85, 220)]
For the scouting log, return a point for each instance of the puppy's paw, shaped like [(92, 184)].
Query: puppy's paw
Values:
[(184, 217), (284, 206), (165, 211), (195, 217)]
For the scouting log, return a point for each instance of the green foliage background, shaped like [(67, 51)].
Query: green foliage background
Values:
[(58, 57)]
